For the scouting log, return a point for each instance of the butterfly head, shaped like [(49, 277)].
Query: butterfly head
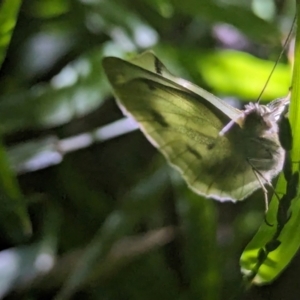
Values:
[(261, 120)]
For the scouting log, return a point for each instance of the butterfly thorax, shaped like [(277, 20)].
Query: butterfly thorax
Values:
[(260, 138), (259, 120)]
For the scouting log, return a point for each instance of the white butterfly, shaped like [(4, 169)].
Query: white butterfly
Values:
[(222, 152)]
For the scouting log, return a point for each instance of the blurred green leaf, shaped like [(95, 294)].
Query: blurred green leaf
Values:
[(24, 263), (237, 15), (229, 72), (201, 250), (77, 90), (243, 75), (118, 205), (8, 17), (146, 277), (277, 260), (41, 153), (129, 32), (34, 155), (49, 8), (13, 209), (139, 202)]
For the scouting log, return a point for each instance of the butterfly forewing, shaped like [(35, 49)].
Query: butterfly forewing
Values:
[(147, 65), (185, 128)]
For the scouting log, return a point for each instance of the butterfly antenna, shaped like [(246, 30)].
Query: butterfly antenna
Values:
[(278, 59)]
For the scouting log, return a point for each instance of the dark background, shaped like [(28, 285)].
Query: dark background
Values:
[(112, 220)]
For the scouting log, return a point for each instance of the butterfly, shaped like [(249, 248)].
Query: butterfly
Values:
[(222, 152)]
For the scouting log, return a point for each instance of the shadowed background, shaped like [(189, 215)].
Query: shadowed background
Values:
[(88, 212)]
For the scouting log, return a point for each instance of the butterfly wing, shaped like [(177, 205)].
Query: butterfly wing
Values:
[(185, 127), (148, 61)]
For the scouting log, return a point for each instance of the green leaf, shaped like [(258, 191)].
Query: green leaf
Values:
[(201, 261), (237, 15), (138, 204), (243, 75), (18, 262), (8, 17), (14, 217), (228, 72), (276, 261), (77, 90)]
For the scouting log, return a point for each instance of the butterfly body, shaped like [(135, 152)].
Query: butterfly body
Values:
[(221, 152)]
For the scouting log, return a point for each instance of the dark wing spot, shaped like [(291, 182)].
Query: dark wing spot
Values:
[(210, 146), (158, 118), (158, 66), (194, 152), (150, 85)]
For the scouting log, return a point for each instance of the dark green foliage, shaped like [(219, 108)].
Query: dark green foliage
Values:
[(112, 220)]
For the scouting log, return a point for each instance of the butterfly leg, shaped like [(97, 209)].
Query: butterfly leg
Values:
[(226, 128), (241, 117), (230, 124), (259, 176), (265, 191)]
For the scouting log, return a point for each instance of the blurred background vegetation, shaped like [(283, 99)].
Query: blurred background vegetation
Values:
[(87, 212)]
